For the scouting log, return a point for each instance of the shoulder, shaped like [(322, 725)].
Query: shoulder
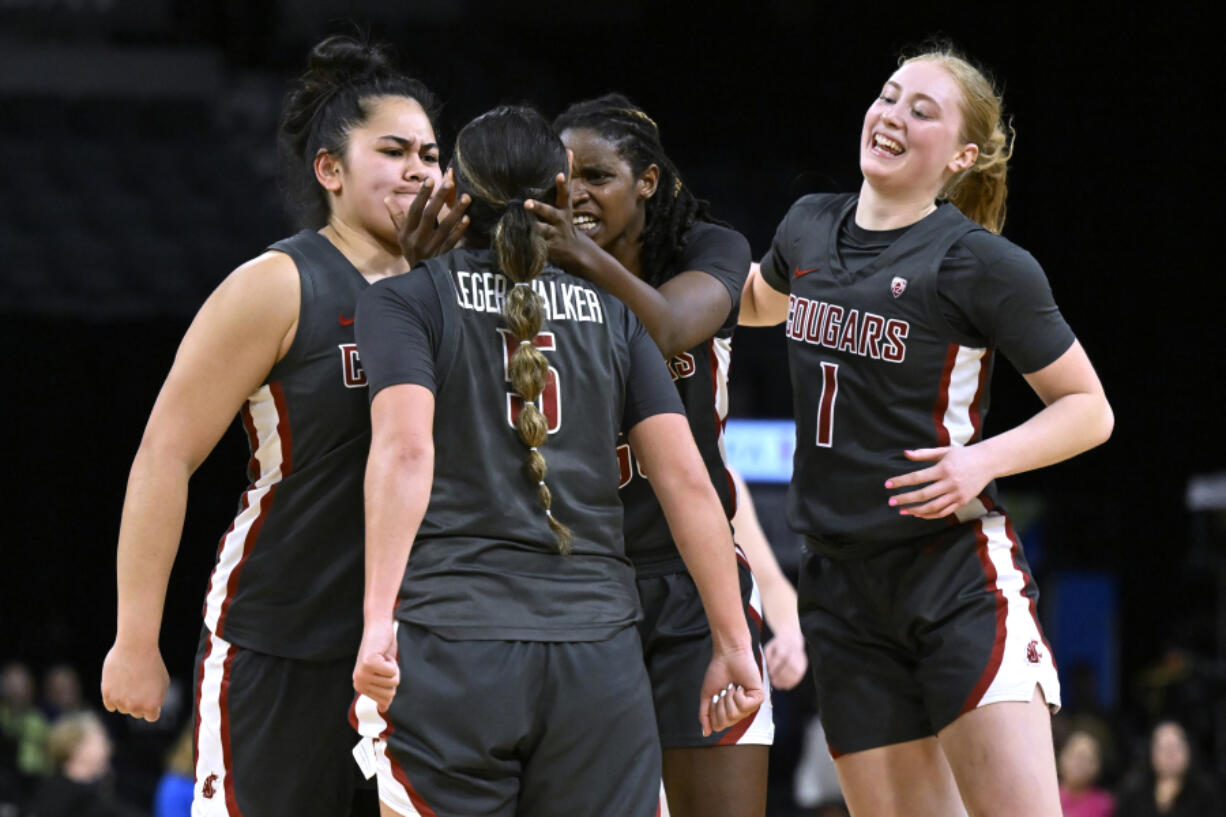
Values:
[(990, 250), (267, 286), (704, 235), (816, 204)]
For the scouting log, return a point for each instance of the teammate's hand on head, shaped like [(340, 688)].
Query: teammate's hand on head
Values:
[(959, 475), (567, 246), (786, 660), (377, 672), (419, 231), (134, 681), (731, 691)]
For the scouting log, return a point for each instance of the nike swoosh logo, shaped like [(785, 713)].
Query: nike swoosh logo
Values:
[(799, 272), (343, 321)]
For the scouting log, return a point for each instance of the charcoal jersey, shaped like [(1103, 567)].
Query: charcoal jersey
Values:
[(891, 342), (484, 564), (701, 377), (288, 579)]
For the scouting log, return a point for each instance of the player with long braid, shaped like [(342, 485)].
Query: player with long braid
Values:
[(637, 230), (536, 701)]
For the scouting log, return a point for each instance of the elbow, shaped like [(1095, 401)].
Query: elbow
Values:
[(1106, 422)]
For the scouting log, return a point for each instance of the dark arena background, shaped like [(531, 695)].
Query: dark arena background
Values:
[(137, 145)]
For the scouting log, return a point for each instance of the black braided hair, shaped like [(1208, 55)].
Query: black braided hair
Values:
[(674, 208)]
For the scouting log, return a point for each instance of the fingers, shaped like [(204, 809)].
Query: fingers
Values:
[(786, 664), (563, 195), (926, 453), (550, 215), (733, 703)]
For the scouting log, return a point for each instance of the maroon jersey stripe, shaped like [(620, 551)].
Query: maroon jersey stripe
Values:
[(942, 403), (1002, 607), (226, 755)]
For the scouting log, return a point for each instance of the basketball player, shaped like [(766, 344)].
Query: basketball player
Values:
[(275, 343), (636, 230), (499, 388), (934, 679)]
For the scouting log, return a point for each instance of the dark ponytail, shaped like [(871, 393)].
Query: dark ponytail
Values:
[(324, 104)]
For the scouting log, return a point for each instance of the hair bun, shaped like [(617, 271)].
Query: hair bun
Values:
[(340, 59)]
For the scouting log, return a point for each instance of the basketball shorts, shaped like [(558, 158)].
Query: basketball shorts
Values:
[(500, 728), (905, 641), (677, 650), (272, 736)]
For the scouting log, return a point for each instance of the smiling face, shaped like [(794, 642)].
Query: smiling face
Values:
[(608, 200), (912, 139), (392, 154)]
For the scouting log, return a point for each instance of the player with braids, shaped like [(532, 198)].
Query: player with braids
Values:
[(630, 224), (915, 596), (536, 702), (274, 343)]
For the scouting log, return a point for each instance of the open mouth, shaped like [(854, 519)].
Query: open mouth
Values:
[(585, 223), (887, 145)]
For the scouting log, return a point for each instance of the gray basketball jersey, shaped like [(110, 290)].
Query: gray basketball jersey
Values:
[(876, 370), (484, 564), (288, 578)]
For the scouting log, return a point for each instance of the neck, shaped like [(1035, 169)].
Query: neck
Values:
[(881, 211), (373, 258)]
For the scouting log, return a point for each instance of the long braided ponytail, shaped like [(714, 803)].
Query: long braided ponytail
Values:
[(502, 158)]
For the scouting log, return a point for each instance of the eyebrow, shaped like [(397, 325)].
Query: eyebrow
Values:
[(917, 93), (404, 143)]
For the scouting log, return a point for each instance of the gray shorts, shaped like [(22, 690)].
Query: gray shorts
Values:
[(904, 641), (500, 728), (272, 735)]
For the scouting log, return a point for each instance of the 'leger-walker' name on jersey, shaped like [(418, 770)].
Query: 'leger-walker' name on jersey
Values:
[(485, 292), (866, 334)]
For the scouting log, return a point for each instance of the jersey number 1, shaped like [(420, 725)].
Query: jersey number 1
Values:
[(825, 406), (550, 401)]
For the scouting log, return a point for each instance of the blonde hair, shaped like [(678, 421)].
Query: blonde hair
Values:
[(980, 190), (68, 733)]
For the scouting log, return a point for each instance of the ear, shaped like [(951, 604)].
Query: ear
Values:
[(645, 187), (328, 171), (964, 158)]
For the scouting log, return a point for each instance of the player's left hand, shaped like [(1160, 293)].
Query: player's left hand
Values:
[(958, 476), (786, 660), (377, 672), (567, 246), (418, 229), (731, 691)]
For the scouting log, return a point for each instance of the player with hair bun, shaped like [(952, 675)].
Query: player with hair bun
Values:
[(934, 678), (274, 343), (507, 576)]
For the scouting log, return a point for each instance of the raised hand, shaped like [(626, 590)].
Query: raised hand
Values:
[(568, 248), (958, 476), (420, 233)]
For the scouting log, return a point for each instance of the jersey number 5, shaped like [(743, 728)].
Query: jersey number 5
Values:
[(550, 401), (825, 406)]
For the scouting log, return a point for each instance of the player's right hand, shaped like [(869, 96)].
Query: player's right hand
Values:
[(420, 232), (134, 681), (731, 691), (377, 672)]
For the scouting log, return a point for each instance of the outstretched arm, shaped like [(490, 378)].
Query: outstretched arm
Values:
[(241, 331), (1076, 418), (685, 311), (761, 304), (785, 652), (665, 447), (399, 473)]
